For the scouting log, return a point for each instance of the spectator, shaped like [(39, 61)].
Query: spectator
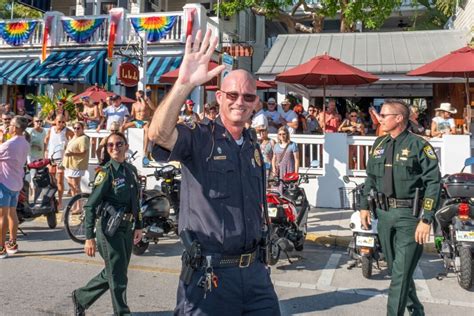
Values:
[(37, 134), (117, 112), (413, 125), (188, 115), (210, 113), (259, 118), (312, 123), (289, 118), (76, 159), (21, 112), (55, 142), (331, 119), (354, 127), (375, 117), (266, 145), (20, 103), (7, 109), (444, 123), (101, 153), (299, 110), (4, 135), (90, 113), (285, 154), (13, 155), (59, 110), (273, 116)]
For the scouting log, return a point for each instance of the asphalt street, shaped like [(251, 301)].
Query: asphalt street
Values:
[(39, 279)]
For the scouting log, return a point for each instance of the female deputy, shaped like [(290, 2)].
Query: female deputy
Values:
[(116, 186)]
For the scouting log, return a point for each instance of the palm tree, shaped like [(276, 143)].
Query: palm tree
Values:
[(48, 104)]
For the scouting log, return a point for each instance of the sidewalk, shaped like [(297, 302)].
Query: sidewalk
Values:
[(330, 227)]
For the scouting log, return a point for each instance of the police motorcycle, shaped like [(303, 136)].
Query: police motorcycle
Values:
[(44, 201), (455, 225), (288, 212), (364, 248), (156, 207)]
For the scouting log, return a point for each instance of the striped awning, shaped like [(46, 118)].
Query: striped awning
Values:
[(15, 71), (155, 68), (72, 66)]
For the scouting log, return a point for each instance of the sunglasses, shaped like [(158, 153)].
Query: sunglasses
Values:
[(388, 114), (114, 130), (7, 119), (117, 144), (62, 122), (38, 121), (233, 96), (77, 128), (282, 134), (353, 115)]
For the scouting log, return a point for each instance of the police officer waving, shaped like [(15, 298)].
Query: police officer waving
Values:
[(222, 193), (114, 204), (403, 181)]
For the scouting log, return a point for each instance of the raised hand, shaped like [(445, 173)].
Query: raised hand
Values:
[(194, 70)]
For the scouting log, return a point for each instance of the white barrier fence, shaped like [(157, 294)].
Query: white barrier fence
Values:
[(337, 153)]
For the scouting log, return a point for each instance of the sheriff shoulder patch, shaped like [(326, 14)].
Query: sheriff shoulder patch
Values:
[(257, 157), (429, 152), (428, 204), (100, 177)]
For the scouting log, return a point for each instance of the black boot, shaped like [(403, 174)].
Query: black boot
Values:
[(78, 309)]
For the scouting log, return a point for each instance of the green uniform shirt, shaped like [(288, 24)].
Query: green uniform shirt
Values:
[(415, 165), (116, 186)]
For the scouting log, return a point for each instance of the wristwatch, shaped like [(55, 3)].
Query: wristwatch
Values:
[(427, 220)]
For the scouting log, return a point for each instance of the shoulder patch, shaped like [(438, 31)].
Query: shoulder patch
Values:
[(429, 152), (100, 177), (189, 123)]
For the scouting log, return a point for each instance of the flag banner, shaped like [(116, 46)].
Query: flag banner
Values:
[(81, 30), (115, 17), (47, 28), (17, 33), (156, 27)]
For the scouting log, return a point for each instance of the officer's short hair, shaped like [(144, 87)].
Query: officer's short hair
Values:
[(119, 134), (402, 106), (21, 122)]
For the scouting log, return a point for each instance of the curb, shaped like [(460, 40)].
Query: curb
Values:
[(343, 241)]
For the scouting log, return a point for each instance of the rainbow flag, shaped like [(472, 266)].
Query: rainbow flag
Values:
[(81, 30), (156, 26), (17, 33)]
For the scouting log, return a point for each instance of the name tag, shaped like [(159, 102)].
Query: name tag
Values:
[(118, 183), (220, 157)]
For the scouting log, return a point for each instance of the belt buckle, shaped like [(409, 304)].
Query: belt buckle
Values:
[(392, 202), (245, 259)]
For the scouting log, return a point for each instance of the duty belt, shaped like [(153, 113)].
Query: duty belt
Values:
[(128, 217), (399, 203), (242, 261)]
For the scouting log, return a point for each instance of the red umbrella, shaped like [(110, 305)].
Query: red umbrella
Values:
[(261, 85), (459, 63), (96, 94), (172, 76), (325, 70)]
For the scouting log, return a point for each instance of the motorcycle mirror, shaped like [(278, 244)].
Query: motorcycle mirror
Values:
[(145, 162), (314, 163), (468, 162), (346, 179)]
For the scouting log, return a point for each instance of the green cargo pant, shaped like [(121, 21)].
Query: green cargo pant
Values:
[(116, 252), (396, 229)]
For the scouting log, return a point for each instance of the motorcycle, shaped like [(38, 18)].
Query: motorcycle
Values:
[(288, 212), (454, 229), (364, 247), (156, 206), (44, 201)]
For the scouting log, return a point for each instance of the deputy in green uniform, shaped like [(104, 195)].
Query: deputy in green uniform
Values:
[(400, 164), (117, 184)]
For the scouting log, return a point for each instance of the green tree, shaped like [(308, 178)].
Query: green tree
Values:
[(19, 11), (434, 15), (372, 13)]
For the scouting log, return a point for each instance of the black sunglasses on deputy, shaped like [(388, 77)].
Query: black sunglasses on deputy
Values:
[(232, 96)]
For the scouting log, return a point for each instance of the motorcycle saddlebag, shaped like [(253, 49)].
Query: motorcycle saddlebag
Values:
[(460, 185)]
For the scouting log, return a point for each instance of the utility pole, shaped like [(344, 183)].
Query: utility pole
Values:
[(13, 5)]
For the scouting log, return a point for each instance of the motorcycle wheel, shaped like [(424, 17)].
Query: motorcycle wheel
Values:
[(465, 271), (366, 267), (51, 217), (140, 248), (75, 223)]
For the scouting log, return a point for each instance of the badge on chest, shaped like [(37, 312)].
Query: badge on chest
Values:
[(118, 183), (378, 152)]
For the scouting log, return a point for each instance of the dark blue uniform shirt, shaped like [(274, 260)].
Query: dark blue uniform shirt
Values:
[(221, 189)]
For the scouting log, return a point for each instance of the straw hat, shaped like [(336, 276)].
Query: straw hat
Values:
[(447, 108)]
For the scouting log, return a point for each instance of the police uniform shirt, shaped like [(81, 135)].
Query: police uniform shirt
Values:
[(415, 165), (221, 188)]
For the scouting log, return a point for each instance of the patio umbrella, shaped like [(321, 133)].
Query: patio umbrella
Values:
[(96, 94), (459, 63), (172, 76), (325, 70)]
